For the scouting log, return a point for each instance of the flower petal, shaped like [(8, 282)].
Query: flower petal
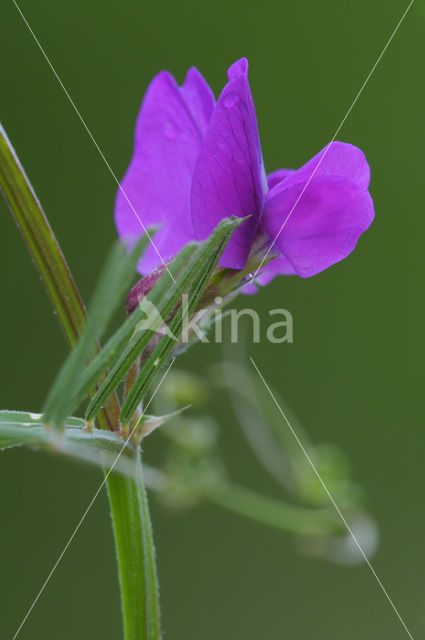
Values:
[(278, 176), (169, 132), (229, 178), (198, 98), (336, 159), (324, 226)]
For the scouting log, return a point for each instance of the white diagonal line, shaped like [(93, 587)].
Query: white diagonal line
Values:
[(335, 135), (83, 517), (83, 122), (331, 498)]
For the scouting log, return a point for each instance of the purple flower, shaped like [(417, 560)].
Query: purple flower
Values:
[(197, 161)]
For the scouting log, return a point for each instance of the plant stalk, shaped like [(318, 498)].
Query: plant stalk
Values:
[(127, 496), (135, 555)]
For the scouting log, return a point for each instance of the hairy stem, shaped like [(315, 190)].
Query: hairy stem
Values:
[(135, 555), (127, 496)]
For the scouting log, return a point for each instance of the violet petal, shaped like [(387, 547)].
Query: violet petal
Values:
[(325, 224), (336, 159), (170, 128), (278, 176), (229, 178)]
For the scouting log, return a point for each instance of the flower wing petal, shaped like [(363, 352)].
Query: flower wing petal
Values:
[(324, 226), (336, 159)]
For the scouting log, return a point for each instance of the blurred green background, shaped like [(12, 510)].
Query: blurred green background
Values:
[(354, 375)]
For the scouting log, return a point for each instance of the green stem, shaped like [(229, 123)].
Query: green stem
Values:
[(274, 513), (128, 500), (135, 555), (47, 255)]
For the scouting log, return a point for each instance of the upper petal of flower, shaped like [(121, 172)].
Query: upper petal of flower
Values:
[(229, 178), (170, 128), (324, 225)]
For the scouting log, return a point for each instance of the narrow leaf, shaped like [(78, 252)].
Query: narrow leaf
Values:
[(98, 446), (46, 252), (142, 337), (119, 340), (41, 241), (22, 427), (210, 254)]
